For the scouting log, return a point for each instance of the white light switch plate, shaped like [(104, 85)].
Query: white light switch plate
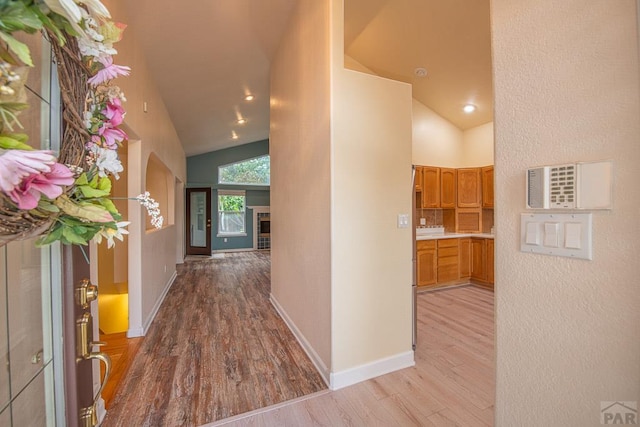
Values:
[(403, 220), (566, 235)]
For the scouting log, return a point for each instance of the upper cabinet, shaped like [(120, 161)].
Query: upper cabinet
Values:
[(487, 186), (417, 178), (469, 188), (430, 187), (447, 188)]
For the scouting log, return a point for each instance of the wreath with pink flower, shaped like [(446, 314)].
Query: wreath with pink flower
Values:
[(66, 197)]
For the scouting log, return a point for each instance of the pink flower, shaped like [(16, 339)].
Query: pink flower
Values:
[(111, 136), (15, 165), (28, 193), (114, 112), (109, 72)]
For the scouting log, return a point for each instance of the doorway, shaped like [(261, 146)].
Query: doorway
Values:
[(198, 221)]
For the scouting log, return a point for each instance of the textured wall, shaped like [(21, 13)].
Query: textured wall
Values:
[(566, 89), (300, 176), (151, 132)]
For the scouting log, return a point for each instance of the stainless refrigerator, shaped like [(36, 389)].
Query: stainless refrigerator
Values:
[(414, 262)]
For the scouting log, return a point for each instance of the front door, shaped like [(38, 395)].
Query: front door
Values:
[(81, 339), (198, 221)]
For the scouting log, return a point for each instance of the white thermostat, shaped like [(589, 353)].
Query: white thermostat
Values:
[(585, 185)]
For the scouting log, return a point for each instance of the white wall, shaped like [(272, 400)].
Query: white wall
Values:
[(371, 185), (566, 89), (151, 132), (301, 179), (477, 146), (436, 141)]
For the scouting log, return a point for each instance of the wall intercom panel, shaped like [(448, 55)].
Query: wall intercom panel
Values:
[(586, 185)]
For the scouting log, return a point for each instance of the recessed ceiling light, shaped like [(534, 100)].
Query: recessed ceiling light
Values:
[(241, 121), (249, 97), (469, 108), (420, 72), (234, 135)]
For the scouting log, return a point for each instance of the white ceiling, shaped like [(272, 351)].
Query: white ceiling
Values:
[(205, 56)]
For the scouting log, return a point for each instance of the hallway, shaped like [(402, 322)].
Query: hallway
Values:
[(217, 348)]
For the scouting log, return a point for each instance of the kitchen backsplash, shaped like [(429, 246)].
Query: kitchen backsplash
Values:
[(432, 217)]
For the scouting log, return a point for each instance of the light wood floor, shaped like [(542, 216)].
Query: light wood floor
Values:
[(217, 348), (452, 383)]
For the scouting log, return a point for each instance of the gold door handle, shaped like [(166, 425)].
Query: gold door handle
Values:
[(89, 415)]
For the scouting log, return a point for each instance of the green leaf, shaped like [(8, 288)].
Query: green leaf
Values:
[(19, 48), (69, 236), (104, 184), (46, 206), (92, 193), (49, 24), (82, 179), (52, 236), (9, 143), (109, 205)]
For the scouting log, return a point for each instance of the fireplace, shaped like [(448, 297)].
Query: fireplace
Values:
[(264, 226), (263, 230)]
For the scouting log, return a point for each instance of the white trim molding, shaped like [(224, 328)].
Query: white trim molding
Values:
[(315, 358), (256, 210), (371, 370), (140, 332)]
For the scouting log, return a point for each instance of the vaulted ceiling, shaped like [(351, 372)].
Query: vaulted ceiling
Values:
[(206, 56)]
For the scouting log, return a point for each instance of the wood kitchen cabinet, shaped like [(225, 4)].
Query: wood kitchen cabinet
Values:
[(469, 188), (448, 188), (487, 186), (465, 258), (417, 179), (430, 187), (448, 256), (490, 261), (482, 259), (426, 262)]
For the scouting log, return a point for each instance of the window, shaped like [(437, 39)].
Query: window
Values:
[(231, 213), (256, 171)]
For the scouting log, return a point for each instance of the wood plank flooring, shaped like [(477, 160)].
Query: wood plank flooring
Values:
[(452, 383), (122, 351), (217, 348)]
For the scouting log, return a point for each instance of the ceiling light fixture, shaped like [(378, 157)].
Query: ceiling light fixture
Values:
[(469, 108), (241, 121), (249, 97), (420, 72), (234, 135)]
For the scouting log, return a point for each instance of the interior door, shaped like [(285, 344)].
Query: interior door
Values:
[(198, 221)]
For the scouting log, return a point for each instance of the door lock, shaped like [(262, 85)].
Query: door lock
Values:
[(85, 293)]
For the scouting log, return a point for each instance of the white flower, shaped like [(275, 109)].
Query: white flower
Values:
[(153, 209), (110, 234), (107, 161)]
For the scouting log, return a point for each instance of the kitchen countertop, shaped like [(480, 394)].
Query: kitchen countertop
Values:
[(454, 236)]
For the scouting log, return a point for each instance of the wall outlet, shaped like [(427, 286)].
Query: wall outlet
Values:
[(224, 240), (423, 221)]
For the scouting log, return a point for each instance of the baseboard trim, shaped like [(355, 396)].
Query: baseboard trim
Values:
[(140, 332), (315, 358), (371, 370), (217, 251)]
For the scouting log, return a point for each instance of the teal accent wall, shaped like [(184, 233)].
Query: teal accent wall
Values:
[(202, 172)]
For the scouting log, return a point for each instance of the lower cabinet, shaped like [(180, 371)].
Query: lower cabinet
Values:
[(427, 262), (482, 259), (446, 262)]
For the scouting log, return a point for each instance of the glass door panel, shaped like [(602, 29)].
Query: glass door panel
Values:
[(198, 221), (24, 303)]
